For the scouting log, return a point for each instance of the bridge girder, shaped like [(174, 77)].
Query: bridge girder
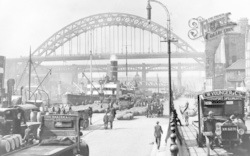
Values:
[(107, 56), (78, 27), (131, 67)]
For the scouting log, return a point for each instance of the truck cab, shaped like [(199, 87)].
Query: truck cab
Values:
[(59, 135), (222, 104)]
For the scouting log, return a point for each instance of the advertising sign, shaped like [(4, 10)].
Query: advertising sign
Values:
[(216, 25), (225, 93), (211, 27)]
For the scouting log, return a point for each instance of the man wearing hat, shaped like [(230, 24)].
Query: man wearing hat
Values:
[(157, 134), (210, 126)]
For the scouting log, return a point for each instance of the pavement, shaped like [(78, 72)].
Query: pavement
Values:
[(165, 146), (129, 138)]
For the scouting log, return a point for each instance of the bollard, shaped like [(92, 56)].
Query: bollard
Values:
[(172, 124), (173, 138), (172, 120), (172, 129), (174, 150)]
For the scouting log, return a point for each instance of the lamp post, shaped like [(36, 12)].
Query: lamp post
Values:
[(169, 45), (173, 116)]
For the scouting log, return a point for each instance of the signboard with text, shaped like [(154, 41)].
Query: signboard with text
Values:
[(224, 95), (211, 27), (216, 26)]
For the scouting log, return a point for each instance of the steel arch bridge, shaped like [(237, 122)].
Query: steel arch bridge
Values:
[(54, 46)]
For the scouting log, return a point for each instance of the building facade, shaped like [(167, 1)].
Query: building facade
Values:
[(233, 46)]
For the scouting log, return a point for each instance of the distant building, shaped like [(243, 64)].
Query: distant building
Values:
[(232, 45), (247, 65), (235, 75)]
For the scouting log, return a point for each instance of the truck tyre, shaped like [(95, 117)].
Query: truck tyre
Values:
[(84, 149)]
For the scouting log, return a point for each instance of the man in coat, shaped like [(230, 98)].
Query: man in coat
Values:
[(111, 120), (106, 120), (157, 134), (90, 113)]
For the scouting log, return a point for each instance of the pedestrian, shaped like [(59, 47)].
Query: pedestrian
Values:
[(111, 120), (186, 116), (17, 124), (148, 109), (63, 111), (90, 113), (106, 120), (53, 109), (211, 127), (162, 109), (27, 135), (113, 111), (157, 134), (59, 110)]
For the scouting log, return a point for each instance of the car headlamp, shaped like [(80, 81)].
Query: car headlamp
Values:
[(241, 131)]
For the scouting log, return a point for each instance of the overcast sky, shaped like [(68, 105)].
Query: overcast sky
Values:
[(25, 23)]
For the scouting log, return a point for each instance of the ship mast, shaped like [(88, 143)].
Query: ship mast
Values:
[(30, 62)]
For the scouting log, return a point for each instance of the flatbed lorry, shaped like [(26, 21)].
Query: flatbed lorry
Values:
[(59, 135)]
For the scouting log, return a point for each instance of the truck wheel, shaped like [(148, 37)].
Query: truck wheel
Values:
[(84, 149)]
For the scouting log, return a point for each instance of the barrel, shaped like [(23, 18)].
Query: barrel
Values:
[(11, 140), (39, 117), (33, 116), (4, 146), (18, 140)]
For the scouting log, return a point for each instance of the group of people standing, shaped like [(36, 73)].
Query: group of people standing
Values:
[(61, 110), (155, 109)]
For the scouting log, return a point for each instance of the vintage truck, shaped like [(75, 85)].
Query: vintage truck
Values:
[(59, 135), (222, 104)]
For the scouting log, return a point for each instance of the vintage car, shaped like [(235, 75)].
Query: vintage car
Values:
[(221, 104), (59, 135)]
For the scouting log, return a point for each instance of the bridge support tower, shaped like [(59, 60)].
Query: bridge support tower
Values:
[(179, 76), (144, 78)]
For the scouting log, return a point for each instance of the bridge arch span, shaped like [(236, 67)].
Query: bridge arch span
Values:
[(86, 24)]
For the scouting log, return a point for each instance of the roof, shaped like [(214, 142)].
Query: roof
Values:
[(238, 65), (6, 109), (27, 106)]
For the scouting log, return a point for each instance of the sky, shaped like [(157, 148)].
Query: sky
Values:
[(25, 23)]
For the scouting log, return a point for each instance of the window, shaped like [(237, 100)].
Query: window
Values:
[(235, 108), (216, 109)]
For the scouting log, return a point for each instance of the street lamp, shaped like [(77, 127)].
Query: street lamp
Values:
[(169, 45), (173, 116)]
